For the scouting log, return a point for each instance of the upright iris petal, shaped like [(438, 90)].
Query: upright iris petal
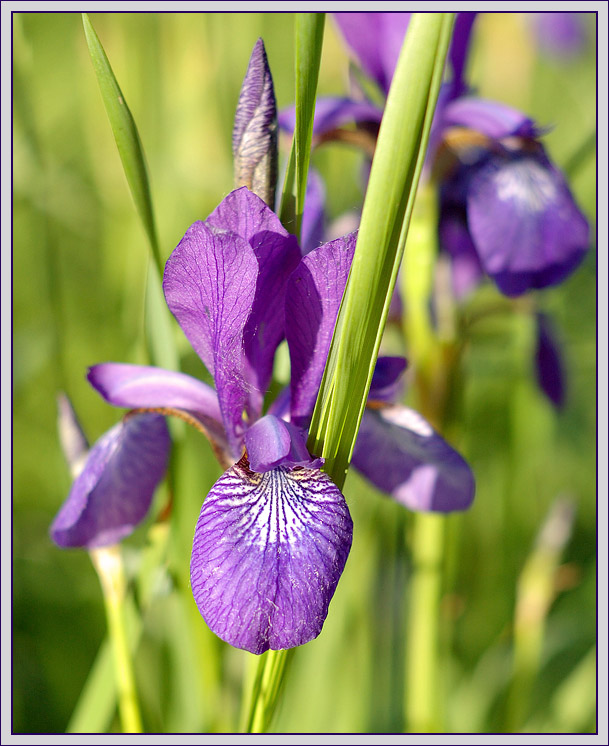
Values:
[(268, 552), (315, 290), (277, 254), (209, 284), (376, 40)]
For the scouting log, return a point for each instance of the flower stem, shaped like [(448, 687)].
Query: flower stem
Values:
[(109, 565), (431, 362), (421, 705), (269, 676)]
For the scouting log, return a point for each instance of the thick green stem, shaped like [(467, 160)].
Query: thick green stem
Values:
[(109, 565), (422, 685), (426, 352)]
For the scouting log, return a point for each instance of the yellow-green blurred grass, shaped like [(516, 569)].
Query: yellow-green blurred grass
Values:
[(79, 261)]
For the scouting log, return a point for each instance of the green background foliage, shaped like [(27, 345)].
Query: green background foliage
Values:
[(79, 268)]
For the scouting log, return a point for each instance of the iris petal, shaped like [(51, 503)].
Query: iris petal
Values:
[(526, 227), (401, 454), (491, 118), (268, 552), (271, 442), (376, 39), (277, 253), (315, 290), (113, 492), (386, 381), (134, 386), (548, 361), (332, 112), (209, 284)]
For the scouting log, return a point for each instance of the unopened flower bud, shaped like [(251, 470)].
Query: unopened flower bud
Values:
[(255, 130)]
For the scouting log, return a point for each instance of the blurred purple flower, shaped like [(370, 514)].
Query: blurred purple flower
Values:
[(274, 533), (505, 210), (559, 34)]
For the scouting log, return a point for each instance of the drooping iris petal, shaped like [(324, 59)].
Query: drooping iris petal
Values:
[(401, 454), (134, 386), (386, 383), (268, 552), (548, 362), (491, 118), (272, 442), (255, 129), (114, 490), (527, 229), (315, 290), (332, 112), (277, 252), (376, 40), (210, 283)]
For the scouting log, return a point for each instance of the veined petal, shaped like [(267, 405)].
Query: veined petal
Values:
[(401, 454), (272, 442), (114, 490), (376, 40), (210, 284), (134, 386), (315, 290), (268, 552), (277, 253), (526, 227)]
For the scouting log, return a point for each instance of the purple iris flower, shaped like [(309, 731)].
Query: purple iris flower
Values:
[(505, 210), (274, 533)]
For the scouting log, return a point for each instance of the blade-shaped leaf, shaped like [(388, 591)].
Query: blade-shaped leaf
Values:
[(126, 136), (396, 168), (309, 33), (158, 321)]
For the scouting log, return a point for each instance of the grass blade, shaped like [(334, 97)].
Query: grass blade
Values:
[(158, 322), (394, 177), (126, 136), (309, 32)]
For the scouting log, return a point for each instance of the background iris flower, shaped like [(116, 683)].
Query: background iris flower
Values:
[(505, 210)]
